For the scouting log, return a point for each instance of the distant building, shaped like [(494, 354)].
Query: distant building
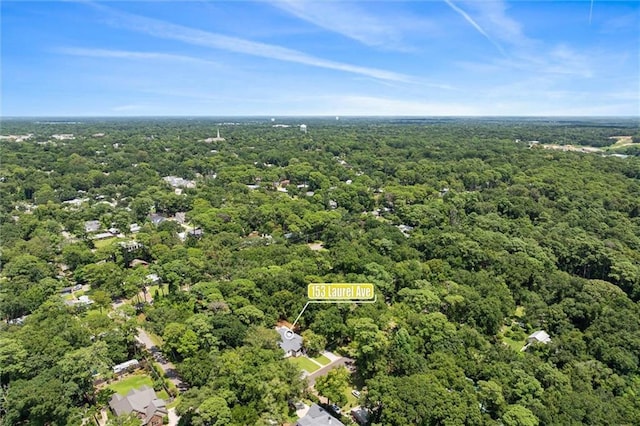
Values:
[(16, 138), (178, 182), (130, 245), (195, 233), (539, 336), (62, 137), (134, 227), (92, 226), (76, 202), (318, 416), (80, 301), (405, 229), (153, 278), (102, 236), (157, 218), (180, 217), (17, 321), (303, 128), (218, 138)]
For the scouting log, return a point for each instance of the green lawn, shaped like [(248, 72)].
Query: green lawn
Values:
[(157, 340), (304, 364), (175, 402), (514, 344), (163, 290), (104, 243), (352, 401), (133, 382), (322, 360)]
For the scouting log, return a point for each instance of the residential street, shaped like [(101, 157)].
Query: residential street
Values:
[(167, 366), (324, 370)]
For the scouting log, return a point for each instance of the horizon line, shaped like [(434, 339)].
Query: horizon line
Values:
[(320, 116)]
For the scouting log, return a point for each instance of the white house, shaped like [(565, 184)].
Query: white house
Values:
[(539, 336), (131, 364), (291, 343)]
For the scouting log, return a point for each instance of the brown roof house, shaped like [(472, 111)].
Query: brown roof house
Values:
[(143, 402)]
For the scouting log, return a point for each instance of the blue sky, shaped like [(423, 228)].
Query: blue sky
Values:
[(315, 57)]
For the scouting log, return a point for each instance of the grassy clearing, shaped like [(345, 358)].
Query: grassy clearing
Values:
[(304, 364), (163, 289), (352, 401), (322, 360), (157, 340), (133, 382), (175, 402), (516, 345), (511, 339), (104, 243)]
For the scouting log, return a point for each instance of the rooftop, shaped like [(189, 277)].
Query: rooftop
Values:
[(143, 401), (289, 344), (318, 416)]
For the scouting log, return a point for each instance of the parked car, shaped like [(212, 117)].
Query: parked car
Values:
[(335, 409), (355, 393)]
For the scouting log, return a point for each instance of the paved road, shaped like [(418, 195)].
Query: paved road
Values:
[(168, 368), (311, 378), (173, 417)]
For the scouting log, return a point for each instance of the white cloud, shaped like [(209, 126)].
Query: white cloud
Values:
[(166, 30), (522, 53), (126, 54), (346, 19), (475, 25), (492, 15)]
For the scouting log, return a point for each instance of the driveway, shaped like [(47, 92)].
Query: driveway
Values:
[(168, 368), (173, 417), (337, 362)]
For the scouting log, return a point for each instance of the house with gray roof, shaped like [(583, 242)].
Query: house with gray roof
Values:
[(290, 342), (157, 218), (92, 226), (143, 402), (360, 415), (318, 416), (539, 336), (126, 366)]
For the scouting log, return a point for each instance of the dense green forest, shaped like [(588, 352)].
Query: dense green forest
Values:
[(474, 237)]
